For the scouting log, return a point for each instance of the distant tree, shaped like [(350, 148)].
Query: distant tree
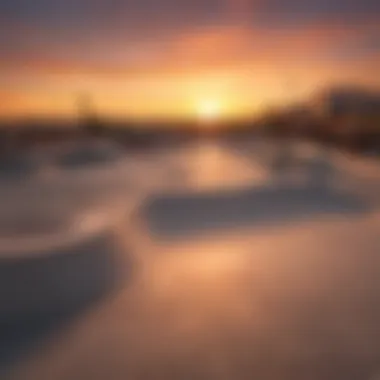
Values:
[(89, 119)]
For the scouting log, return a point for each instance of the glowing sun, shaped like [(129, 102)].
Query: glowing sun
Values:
[(209, 110)]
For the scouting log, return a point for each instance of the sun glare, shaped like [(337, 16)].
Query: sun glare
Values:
[(209, 110)]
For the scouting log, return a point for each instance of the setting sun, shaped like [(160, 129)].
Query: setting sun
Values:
[(209, 110)]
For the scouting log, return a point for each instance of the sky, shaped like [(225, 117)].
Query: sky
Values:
[(169, 58)]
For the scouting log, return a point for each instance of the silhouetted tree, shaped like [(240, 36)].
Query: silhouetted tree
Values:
[(89, 119)]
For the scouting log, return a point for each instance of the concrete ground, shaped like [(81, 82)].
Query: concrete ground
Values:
[(196, 289)]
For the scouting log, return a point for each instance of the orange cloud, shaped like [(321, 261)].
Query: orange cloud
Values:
[(243, 66)]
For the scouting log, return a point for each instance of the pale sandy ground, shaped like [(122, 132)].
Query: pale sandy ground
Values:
[(296, 297)]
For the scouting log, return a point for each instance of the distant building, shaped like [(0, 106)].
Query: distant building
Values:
[(350, 115), (347, 101)]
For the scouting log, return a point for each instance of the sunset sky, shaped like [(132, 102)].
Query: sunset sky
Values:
[(145, 58)]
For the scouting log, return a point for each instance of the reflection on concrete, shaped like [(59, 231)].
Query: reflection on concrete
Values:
[(290, 302), (272, 306)]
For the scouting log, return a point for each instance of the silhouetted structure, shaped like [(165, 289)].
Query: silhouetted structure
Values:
[(349, 100), (89, 120)]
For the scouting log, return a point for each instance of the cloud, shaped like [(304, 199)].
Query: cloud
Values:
[(202, 48), (93, 30), (115, 41)]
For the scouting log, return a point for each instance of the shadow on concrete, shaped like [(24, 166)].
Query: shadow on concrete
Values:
[(39, 295), (17, 167), (277, 203), (298, 189)]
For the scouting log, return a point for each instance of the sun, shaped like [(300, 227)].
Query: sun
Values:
[(209, 110)]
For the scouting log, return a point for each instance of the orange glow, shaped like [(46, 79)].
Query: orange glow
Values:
[(209, 110), (242, 69)]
